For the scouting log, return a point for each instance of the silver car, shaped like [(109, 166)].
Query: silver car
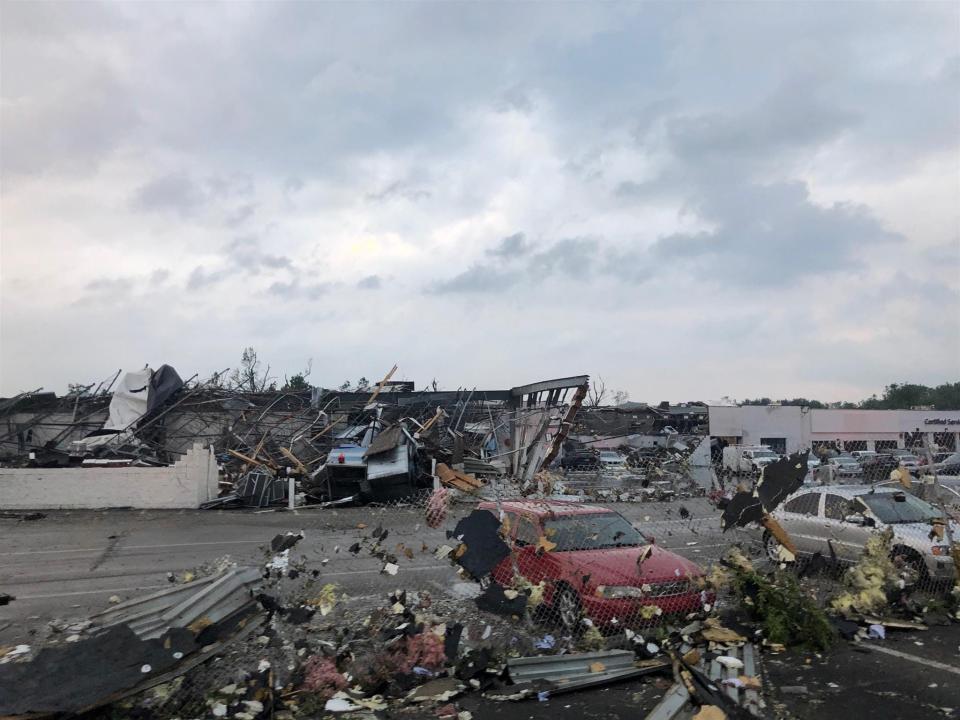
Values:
[(836, 521), (847, 467)]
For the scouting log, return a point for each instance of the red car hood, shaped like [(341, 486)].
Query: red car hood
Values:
[(618, 566)]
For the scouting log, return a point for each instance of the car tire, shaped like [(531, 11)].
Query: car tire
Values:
[(771, 547), (567, 609), (908, 558)]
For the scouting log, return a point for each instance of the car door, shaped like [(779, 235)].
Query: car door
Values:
[(800, 518), (847, 539)]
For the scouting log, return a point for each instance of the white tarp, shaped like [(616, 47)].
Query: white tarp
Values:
[(129, 400)]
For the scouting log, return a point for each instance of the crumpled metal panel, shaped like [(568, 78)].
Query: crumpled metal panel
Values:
[(208, 600), (566, 667)]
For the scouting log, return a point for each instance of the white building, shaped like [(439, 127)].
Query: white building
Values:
[(790, 428)]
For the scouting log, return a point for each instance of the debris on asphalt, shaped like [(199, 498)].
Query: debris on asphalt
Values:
[(494, 620), (481, 545), (869, 582)]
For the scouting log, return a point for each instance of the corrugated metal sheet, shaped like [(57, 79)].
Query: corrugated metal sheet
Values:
[(385, 441), (580, 671), (675, 705), (208, 599), (566, 667), (390, 463)]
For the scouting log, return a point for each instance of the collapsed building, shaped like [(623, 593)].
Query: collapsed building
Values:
[(377, 445)]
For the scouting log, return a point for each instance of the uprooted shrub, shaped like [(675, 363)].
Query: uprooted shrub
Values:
[(787, 614), (871, 579)]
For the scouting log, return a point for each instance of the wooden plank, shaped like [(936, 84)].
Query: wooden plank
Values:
[(432, 420), (381, 384), (461, 481), (249, 460), (289, 454), (323, 432)]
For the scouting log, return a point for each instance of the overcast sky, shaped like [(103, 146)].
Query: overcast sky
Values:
[(688, 200)]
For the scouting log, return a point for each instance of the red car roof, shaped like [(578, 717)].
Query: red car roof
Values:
[(542, 508)]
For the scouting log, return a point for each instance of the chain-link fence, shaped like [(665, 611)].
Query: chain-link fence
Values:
[(614, 550)]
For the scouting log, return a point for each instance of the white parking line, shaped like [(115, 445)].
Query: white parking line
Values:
[(135, 547), (916, 658)]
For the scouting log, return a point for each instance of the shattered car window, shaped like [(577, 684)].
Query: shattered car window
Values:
[(527, 533), (807, 504), (889, 510), (593, 532), (836, 507)]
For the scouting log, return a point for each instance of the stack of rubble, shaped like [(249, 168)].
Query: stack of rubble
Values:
[(380, 445)]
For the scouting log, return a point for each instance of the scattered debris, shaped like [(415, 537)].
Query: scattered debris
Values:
[(481, 547)]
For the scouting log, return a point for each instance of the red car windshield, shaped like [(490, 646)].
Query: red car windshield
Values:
[(592, 532)]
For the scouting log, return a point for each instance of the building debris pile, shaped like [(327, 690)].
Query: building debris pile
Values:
[(280, 641), (380, 445)]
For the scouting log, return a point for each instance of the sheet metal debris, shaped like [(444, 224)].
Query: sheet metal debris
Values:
[(206, 601)]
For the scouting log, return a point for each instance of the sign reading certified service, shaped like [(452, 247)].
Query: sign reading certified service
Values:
[(941, 421)]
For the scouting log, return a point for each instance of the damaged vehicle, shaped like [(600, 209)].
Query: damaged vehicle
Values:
[(611, 460), (747, 458), (594, 564), (837, 521), (580, 461)]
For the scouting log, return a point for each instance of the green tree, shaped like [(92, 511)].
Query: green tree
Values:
[(78, 389), (298, 381), (903, 396), (946, 396), (295, 382)]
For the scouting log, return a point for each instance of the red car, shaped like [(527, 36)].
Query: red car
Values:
[(601, 567)]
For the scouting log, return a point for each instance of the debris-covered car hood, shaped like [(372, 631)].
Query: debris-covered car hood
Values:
[(627, 565), (918, 534)]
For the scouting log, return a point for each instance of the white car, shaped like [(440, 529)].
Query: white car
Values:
[(837, 521), (761, 457), (610, 460), (747, 458)]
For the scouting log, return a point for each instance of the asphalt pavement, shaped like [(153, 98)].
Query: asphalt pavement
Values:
[(70, 563)]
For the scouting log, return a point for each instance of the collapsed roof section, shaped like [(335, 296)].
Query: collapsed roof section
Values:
[(387, 432)]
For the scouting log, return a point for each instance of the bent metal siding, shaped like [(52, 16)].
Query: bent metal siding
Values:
[(189, 482)]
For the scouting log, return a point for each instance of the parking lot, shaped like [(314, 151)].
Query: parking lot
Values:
[(69, 564)]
